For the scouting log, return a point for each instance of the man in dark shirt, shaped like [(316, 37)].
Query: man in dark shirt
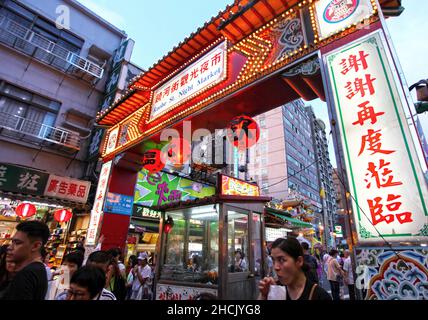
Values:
[(312, 263), (30, 281)]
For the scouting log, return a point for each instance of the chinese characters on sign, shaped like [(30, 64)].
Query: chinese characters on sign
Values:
[(23, 180), (159, 188), (384, 173), (67, 188), (97, 212), (118, 203), (234, 187), (144, 212), (208, 70)]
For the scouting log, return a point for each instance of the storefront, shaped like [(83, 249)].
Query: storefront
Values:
[(215, 244), (60, 202), (143, 232), (279, 224)]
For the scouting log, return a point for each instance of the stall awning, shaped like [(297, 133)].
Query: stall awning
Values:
[(295, 222)]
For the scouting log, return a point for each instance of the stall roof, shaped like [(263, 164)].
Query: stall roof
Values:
[(281, 214)]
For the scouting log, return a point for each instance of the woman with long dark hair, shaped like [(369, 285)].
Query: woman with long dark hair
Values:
[(289, 265)]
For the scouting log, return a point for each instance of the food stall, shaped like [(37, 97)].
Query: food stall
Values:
[(213, 244)]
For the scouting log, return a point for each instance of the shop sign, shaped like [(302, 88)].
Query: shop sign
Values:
[(170, 292), (235, 187), (335, 15), (108, 100), (67, 188), (144, 212), (112, 140), (118, 203), (94, 146), (97, 212), (123, 53), (385, 175), (23, 180), (155, 189), (338, 231), (274, 233), (206, 71)]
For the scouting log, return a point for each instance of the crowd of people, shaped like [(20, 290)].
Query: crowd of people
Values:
[(25, 275)]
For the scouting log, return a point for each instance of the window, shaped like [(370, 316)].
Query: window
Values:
[(26, 111), (287, 122), (264, 161), (264, 171), (262, 123), (191, 251), (44, 29), (238, 246)]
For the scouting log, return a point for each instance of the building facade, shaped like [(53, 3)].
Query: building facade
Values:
[(60, 62), (324, 172), (284, 159)]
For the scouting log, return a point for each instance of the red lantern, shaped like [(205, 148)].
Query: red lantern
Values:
[(169, 223), (243, 132), (25, 210), (153, 161), (178, 151), (62, 215)]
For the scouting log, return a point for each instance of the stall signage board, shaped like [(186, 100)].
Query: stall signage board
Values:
[(96, 213), (338, 231), (161, 188), (67, 188), (112, 139), (334, 15), (274, 233), (235, 187), (118, 203), (385, 176), (144, 212), (23, 180), (206, 71)]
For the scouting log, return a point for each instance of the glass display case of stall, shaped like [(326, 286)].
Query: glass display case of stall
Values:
[(215, 246)]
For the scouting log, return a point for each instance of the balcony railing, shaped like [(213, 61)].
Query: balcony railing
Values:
[(39, 130), (23, 39)]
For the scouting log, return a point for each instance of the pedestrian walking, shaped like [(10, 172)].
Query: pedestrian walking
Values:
[(334, 274), (311, 262), (132, 262), (289, 265), (70, 264), (7, 271), (87, 283), (25, 251), (349, 276), (103, 261)]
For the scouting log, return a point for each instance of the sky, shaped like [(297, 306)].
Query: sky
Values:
[(158, 26)]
